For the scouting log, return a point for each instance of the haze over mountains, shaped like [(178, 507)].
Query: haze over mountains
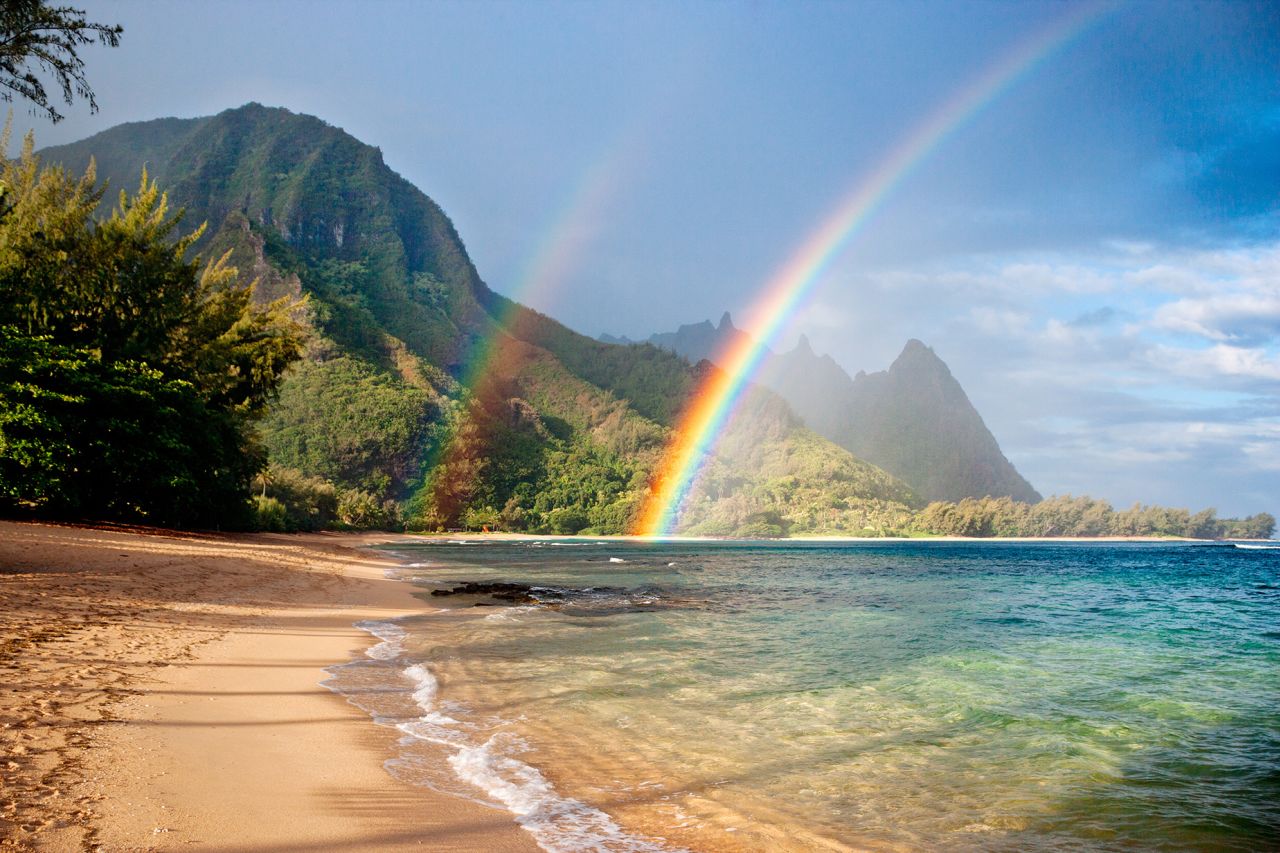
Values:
[(442, 401), (425, 400), (913, 420)]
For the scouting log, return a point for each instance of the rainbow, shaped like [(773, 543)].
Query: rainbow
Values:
[(715, 400), (563, 242), (559, 249)]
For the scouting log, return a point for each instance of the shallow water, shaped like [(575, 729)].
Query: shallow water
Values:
[(984, 696)]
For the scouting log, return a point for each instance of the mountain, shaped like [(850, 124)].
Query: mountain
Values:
[(429, 395), (815, 386), (698, 341), (913, 420)]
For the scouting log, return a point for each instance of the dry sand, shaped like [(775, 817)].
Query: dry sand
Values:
[(161, 690)]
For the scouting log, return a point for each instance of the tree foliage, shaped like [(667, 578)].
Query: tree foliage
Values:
[(343, 420), (1064, 515), (130, 375), (38, 38), (83, 437)]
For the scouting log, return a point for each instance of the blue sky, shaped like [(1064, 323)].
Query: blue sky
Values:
[(1096, 254)]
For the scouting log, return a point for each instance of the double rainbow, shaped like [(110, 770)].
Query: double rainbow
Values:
[(714, 402)]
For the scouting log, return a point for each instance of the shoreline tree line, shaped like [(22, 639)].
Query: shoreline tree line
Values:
[(1066, 516)]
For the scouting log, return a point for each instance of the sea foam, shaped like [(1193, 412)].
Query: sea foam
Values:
[(556, 822), (559, 824), (391, 636)]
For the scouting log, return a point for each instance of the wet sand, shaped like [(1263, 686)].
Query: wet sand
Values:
[(162, 690)]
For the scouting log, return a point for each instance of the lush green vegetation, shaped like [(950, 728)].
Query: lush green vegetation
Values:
[(552, 433), (505, 466), (341, 419), (1083, 516), (130, 376), (653, 381), (772, 477), (84, 437)]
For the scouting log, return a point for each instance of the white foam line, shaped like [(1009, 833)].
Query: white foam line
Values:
[(506, 613), (391, 635), (558, 824)]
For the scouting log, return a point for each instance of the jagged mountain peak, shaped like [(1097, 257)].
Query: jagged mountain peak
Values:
[(913, 419), (916, 421), (315, 191), (919, 360)]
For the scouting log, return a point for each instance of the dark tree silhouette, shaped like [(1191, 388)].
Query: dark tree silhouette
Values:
[(36, 37)]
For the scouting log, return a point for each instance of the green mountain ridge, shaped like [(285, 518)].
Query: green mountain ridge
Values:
[(557, 432)]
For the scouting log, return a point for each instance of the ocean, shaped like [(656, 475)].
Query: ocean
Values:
[(630, 696)]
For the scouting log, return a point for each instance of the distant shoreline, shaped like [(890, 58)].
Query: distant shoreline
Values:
[(627, 537)]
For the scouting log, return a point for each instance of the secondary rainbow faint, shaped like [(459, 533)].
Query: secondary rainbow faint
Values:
[(559, 250), (714, 401)]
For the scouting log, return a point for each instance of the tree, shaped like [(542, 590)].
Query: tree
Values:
[(80, 437), (130, 375), (1260, 526), (35, 36)]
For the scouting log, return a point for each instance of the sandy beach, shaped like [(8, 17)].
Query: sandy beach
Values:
[(162, 690)]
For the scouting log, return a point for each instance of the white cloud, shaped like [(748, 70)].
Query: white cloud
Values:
[(1248, 316), (1247, 270), (998, 321), (1216, 362), (1132, 371)]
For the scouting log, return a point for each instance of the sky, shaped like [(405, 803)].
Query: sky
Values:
[(1095, 253)]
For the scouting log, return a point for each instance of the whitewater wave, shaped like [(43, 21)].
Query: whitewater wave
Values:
[(559, 824)]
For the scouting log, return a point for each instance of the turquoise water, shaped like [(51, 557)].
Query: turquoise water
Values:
[(718, 696)]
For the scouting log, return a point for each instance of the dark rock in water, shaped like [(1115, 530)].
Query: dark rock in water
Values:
[(516, 593), (595, 600)]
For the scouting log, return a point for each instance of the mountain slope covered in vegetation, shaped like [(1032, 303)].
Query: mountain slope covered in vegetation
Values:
[(424, 396)]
